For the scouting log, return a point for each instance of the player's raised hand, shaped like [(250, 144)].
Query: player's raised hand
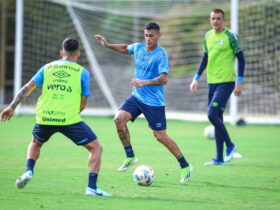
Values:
[(101, 39), (6, 114), (193, 86)]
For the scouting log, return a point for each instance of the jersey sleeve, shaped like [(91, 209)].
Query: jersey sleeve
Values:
[(205, 49), (163, 66), (85, 83), (235, 43), (131, 48), (38, 78)]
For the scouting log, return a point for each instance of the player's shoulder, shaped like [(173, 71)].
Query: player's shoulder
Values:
[(85, 72), (138, 45), (135, 47), (162, 51), (231, 34)]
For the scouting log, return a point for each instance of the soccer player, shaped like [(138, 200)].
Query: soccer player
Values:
[(150, 75), (221, 48), (65, 88)]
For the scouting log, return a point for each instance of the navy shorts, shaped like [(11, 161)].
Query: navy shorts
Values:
[(155, 115), (218, 94), (79, 132)]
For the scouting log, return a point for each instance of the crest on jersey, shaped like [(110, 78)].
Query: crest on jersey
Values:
[(222, 41)]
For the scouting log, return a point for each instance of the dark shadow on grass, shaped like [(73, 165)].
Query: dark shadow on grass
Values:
[(169, 185)]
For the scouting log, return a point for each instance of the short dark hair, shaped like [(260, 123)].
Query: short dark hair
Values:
[(217, 10), (70, 45), (151, 26)]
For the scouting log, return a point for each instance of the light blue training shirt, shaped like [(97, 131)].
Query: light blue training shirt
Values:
[(149, 65), (38, 78)]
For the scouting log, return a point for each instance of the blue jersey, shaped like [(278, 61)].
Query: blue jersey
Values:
[(149, 65), (85, 79)]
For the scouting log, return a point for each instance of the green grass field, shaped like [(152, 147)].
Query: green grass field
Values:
[(251, 182)]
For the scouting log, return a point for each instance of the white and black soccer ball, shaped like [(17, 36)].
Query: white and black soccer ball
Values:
[(209, 132), (144, 175)]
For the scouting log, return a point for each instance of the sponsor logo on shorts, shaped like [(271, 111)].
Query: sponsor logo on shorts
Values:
[(158, 125)]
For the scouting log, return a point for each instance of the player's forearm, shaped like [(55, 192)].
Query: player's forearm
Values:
[(83, 103), (241, 67), (201, 67), (122, 48), (161, 80), (23, 93)]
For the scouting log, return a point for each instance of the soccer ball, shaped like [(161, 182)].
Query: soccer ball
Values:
[(144, 175), (209, 132)]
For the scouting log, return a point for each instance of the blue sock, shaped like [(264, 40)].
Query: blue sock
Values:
[(129, 152), (183, 163), (30, 163), (92, 179)]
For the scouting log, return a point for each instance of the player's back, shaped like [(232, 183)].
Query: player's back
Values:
[(59, 103)]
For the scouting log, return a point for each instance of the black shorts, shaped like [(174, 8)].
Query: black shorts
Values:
[(80, 133)]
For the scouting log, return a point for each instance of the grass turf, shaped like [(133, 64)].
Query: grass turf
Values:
[(251, 182)]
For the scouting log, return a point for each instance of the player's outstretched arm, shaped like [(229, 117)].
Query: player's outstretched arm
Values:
[(122, 48), (25, 91)]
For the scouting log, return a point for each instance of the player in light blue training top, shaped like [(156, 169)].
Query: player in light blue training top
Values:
[(149, 65), (150, 74)]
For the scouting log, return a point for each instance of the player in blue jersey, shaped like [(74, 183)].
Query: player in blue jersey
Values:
[(150, 75), (221, 48), (65, 88)]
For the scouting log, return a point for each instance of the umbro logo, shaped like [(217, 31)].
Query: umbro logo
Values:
[(61, 74)]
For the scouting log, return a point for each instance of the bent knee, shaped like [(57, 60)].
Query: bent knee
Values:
[(121, 118), (159, 137), (94, 146), (36, 142), (98, 146), (119, 121), (100, 149), (212, 114)]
